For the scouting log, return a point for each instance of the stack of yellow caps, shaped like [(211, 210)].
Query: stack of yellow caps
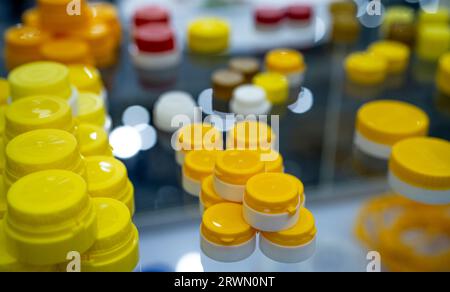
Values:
[(209, 36), (443, 75)]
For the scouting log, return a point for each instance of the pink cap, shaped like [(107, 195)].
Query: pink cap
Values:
[(269, 15), (300, 12), (151, 14), (154, 38)]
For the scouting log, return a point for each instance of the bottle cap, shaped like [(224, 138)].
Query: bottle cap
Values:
[(151, 14), (252, 135), (396, 54), (93, 140), (285, 61), (91, 109), (225, 82), (276, 86), (154, 38), (199, 164), (208, 195), (300, 12), (209, 35), (366, 68), (238, 166), (67, 51), (86, 78), (267, 15)]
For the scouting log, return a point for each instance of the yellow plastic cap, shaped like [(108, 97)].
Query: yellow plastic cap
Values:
[(107, 177), (302, 233), (251, 135), (224, 224), (443, 76), (388, 122), (67, 51), (433, 41), (396, 54), (208, 195), (25, 39), (199, 137), (49, 215), (57, 20), (93, 140), (4, 91), (274, 165), (199, 164), (40, 78), (441, 16), (397, 14), (91, 109), (86, 78), (40, 150), (116, 248), (273, 193), (107, 13), (238, 166), (422, 162), (37, 112), (366, 68), (276, 86), (209, 35), (285, 61)]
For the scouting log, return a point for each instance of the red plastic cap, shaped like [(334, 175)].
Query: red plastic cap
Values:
[(154, 38), (151, 14), (269, 15), (300, 12)]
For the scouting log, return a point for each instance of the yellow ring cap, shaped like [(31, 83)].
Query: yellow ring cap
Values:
[(38, 112), (67, 51), (224, 224), (49, 215), (422, 162), (433, 41), (388, 122), (93, 140), (238, 166), (441, 16), (366, 68), (396, 54), (41, 150), (4, 91), (107, 177), (276, 86), (273, 193), (302, 233), (25, 40), (40, 78), (285, 61), (209, 36), (251, 135), (91, 109), (276, 164), (116, 248), (86, 78), (199, 164), (199, 137), (443, 76), (208, 195)]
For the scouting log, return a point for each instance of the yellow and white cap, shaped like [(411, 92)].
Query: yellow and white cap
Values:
[(275, 84), (443, 75), (197, 166), (116, 247), (274, 161), (40, 150), (107, 177), (37, 112), (366, 68), (91, 109), (420, 169), (285, 61), (293, 245), (251, 135), (86, 78), (93, 140), (209, 35), (381, 124), (49, 215), (208, 195), (40, 78), (397, 54)]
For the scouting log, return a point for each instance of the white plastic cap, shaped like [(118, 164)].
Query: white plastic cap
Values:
[(250, 99), (171, 104)]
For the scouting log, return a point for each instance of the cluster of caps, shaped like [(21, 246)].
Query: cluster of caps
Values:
[(345, 24), (419, 166), (58, 173), (49, 32), (428, 31), (402, 252), (382, 59), (252, 91), (272, 18), (244, 191)]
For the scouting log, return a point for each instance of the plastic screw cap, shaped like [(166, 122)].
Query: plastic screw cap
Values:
[(433, 41), (266, 15), (67, 51), (151, 14), (154, 38), (396, 54), (225, 82), (285, 61), (86, 78), (247, 66), (208, 195), (366, 68), (209, 36), (93, 140), (238, 166), (91, 109), (276, 86), (170, 105), (301, 13), (250, 99)]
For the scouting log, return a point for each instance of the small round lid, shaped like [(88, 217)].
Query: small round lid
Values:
[(444, 65), (25, 37), (300, 12), (86, 78), (40, 78), (154, 38), (365, 63), (273, 193), (396, 53), (67, 51), (388, 122), (251, 135), (245, 65), (276, 86), (423, 162), (151, 14), (285, 61), (106, 176), (249, 95), (93, 140), (199, 137), (302, 233), (269, 15), (208, 195), (209, 35), (199, 164), (224, 224), (238, 166), (91, 109)]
